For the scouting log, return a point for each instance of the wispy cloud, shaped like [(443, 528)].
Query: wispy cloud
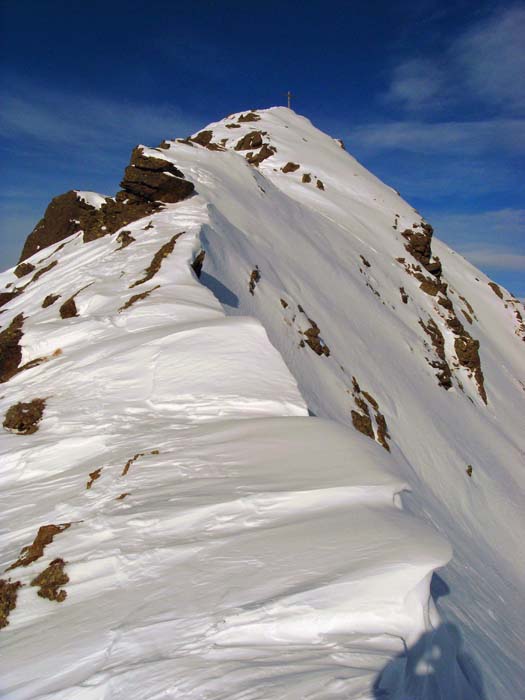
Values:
[(484, 64), (465, 138), (491, 59), (62, 118), (493, 240)]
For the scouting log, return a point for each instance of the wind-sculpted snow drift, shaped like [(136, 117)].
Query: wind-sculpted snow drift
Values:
[(178, 525)]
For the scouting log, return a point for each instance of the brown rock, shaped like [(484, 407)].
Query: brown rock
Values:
[(264, 153), (125, 238), (203, 138), (156, 262), (93, 476), (290, 167), (8, 598), (50, 581), (306, 177), (319, 184), (254, 280), (50, 300), (197, 264), (69, 308), (496, 289), (10, 350), (363, 423), (61, 219), (404, 295), (34, 551), (252, 140), (137, 297), (24, 269), (249, 117), (23, 418)]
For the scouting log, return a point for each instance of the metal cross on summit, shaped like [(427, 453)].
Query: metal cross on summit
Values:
[(289, 96)]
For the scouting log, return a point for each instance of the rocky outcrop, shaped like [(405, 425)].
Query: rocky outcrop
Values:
[(8, 598), (62, 218), (10, 350), (148, 183), (419, 245), (150, 179), (290, 167), (249, 117), (49, 582), (444, 374), (252, 140)]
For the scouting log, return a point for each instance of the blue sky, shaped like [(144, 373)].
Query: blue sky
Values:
[(430, 96)]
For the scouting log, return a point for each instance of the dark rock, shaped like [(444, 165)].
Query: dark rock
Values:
[(419, 246), (69, 308), (198, 263), (6, 297), (404, 295), (24, 269), (50, 581), (33, 552), (62, 218), (254, 280), (125, 238), (306, 177), (264, 153), (8, 598), (363, 423), (252, 140), (496, 289), (203, 138), (49, 300), (290, 167), (319, 184), (10, 350), (249, 117), (23, 418), (157, 259)]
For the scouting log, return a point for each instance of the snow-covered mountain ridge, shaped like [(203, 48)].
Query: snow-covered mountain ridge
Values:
[(259, 552)]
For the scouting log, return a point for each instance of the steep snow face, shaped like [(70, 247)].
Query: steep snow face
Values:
[(177, 525), (262, 553), (305, 239)]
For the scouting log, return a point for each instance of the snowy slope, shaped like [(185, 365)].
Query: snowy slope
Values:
[(257, 552), (262, 553)]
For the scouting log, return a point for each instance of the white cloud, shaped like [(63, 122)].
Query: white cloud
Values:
[(49, 116), (416, 83), (465, 138), (492, 240), (492, 59), (495, 259), (484, 65)]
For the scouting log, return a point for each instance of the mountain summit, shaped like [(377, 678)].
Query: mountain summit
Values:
[(250, 404)]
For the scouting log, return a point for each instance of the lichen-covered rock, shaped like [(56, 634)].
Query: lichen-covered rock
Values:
[(23, 418), (50, 581), (8, 598), (34, 551)]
